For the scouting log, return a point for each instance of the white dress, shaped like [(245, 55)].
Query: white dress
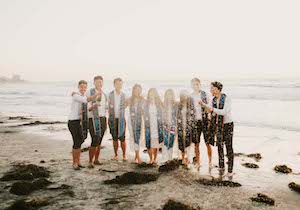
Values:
[(133, 145), (153, 126)]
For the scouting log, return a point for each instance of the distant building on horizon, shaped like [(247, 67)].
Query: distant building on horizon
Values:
[(14, 79)]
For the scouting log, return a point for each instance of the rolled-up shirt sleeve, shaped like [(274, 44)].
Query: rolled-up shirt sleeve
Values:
[(225, 110), (79, 98)]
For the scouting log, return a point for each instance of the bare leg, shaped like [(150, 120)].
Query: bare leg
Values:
[(150, 155), (137, 156), (78, 151), (155, 151), (185, 160), (116, 147), (123, 146), (97, 153), (74, 158), (92, 151), (197, 152), (209, 153)]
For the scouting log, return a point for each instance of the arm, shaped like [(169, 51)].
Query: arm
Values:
[(127, 101), (91, 98), (79, 98), (224, 111), (91, 107)]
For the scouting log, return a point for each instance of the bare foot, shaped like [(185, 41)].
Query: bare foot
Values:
[(124, 159), (97, 162), (115, 158)]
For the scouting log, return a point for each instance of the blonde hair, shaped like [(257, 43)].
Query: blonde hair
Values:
[(171, 93), (157, 99)]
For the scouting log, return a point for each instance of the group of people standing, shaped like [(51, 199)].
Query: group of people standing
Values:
[(153, 121)]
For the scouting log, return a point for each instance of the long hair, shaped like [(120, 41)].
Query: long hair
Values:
[(169, 98), (136, 86), (157, 99), (184, 99)]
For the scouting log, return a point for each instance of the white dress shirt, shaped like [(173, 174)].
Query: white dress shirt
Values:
[(196, 98), (226, 111), (77, 100), (102, 107), (117, 98)]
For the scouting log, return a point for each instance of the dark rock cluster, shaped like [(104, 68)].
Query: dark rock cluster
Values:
[(250, 165), (174, 205), (131, 178), (283, 169), (218, 183), (294, 186), (262, 198)]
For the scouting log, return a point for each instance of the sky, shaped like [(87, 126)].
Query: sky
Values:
[(64, 40)]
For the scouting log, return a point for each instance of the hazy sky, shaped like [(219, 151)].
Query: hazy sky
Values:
[(149, 39)]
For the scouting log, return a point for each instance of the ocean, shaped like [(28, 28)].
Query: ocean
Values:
[(256, 103)]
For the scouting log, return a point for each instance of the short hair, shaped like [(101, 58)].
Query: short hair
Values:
[(98, 77), (117, 80), (218, 85), (195, 80), (82, 82)]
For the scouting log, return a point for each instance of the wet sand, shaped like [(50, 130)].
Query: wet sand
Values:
[(27, 145)]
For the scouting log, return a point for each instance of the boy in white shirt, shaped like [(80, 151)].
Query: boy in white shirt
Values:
[(79, 103), (97, 120), (221, 125), (117, 123)]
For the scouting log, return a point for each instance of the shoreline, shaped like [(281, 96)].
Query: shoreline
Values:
[(90, 192)]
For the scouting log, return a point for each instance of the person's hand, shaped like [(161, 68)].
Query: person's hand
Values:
[(73, 93), (99, 93), (209, 109), (201, 102)]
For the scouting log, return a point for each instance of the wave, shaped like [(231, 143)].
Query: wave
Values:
[(270, 126)]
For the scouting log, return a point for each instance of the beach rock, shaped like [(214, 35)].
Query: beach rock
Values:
[(174, 205), (41, 123), (218, 183), (19, 118), (256, 156), (239, 154), (170, 166), (1, 122), (130, 178), (8, 131), (42, 161), (36, 150), (25, 172), (27, 187), (108, 171), (250, 165), (283, 169), (69, 193), (294, 186), (28, 205), (261, 198), (61, 187), (145, 165), (85, 149)]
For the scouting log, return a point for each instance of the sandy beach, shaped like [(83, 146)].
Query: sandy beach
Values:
[(49, 146)]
